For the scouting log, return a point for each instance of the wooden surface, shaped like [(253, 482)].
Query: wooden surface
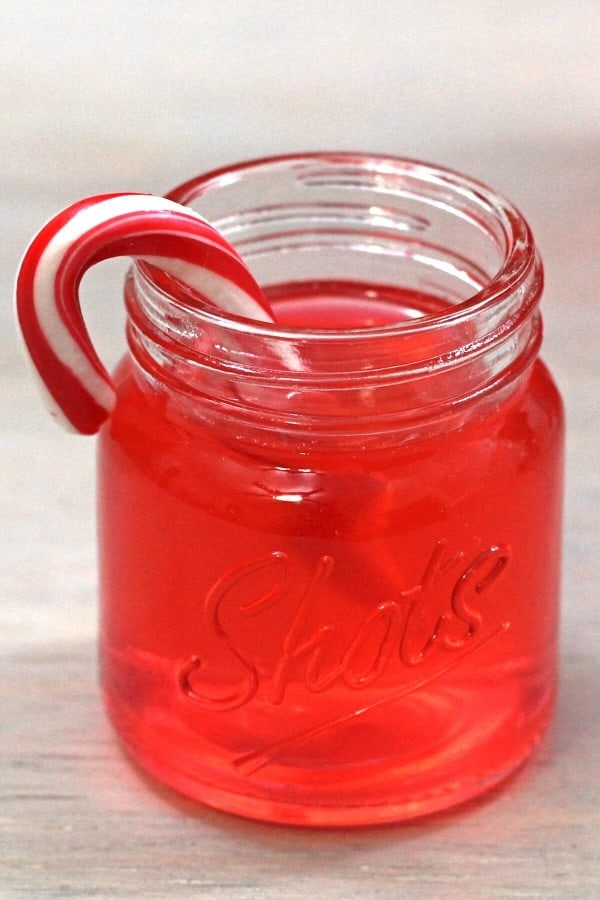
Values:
[(505, 91)]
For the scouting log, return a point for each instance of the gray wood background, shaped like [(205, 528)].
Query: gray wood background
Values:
[(103, 96)]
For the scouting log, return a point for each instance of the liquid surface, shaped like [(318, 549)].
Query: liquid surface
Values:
[(347, 305), (338, 638)]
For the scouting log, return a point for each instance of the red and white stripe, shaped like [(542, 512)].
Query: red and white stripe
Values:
[(172, 237)]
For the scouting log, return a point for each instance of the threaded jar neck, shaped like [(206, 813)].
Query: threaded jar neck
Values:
[(327, 218)]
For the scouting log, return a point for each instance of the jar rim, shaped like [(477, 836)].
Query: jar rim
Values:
[(520, 259), (406, 377)]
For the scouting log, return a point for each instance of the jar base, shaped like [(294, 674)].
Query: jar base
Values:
[(447, 794)]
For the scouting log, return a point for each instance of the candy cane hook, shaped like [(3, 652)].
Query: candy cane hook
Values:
[(78, 388)]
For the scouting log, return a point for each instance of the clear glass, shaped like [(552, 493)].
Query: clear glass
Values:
[(330, 548)]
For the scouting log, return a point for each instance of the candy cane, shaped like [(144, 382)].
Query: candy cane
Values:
[(76, 385)]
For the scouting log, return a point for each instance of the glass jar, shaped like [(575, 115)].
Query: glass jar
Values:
[(330, 548)]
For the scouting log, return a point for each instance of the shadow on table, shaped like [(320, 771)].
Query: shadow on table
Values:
[(81, 747)]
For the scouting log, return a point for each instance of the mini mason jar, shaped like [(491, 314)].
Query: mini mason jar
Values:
[(330, 547)]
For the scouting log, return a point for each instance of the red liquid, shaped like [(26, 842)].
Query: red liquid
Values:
[(331, 638)]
